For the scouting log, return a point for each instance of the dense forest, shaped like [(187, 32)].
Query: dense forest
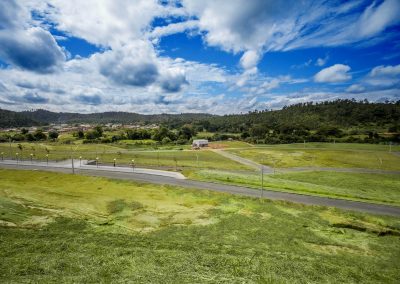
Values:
[(359, 121)]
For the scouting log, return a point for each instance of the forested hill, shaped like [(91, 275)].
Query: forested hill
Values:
[(43, 117), (15, 119), (339, 113)]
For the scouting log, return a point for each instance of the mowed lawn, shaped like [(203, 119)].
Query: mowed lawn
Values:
[(341, 156), (64, 228), (107, 153), (375, 188)]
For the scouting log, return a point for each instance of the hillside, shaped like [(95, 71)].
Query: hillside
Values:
[(15, 119), (43, 117), (339, 113)]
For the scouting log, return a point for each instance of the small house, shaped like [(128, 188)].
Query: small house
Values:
[(199, 143)]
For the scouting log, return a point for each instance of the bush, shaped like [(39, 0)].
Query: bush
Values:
[(53, 135), (39, 135), (20, 137)]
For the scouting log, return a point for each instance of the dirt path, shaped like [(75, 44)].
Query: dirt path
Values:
[(244, 161), (269, 170)]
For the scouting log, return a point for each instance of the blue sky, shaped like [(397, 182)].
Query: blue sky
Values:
[(213, 56)]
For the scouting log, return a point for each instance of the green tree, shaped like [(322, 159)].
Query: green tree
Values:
[(39, 135), (53, 135)]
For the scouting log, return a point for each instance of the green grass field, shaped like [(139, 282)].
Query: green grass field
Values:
[(65, 228), (375, 188), (107, 153), (324, 155)]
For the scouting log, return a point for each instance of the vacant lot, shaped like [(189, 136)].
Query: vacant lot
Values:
[(375, 188), (107, 153), (65, 228), (324, 155)]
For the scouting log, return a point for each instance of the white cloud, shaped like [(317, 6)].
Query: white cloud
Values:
[(334, 74), (384, 76), (129, 73), (249, 59), (377, 17), (174, 28), (25, 46), (109, 23), (355, 88), (385, 71), (322, 61), (283, 25)]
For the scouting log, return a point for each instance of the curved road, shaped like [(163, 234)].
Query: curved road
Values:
[(238, 190)]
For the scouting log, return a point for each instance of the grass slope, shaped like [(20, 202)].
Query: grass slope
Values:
[(64, 228)]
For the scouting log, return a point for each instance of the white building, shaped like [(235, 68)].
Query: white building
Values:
[(200, 143)]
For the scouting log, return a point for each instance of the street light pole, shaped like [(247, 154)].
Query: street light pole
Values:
[(72, 161), (10, 148), (133, 165), (262, 181), (16, 157), (31, 158), (97, 161), (114, 162), (80, 161), (47, 159)]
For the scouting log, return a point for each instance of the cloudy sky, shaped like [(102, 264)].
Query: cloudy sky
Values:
[(214, 56)]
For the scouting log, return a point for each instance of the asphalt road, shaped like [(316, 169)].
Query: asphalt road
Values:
[(238, 190)]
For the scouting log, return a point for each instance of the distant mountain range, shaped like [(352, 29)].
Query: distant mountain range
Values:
[(341, 113), (42, 117)]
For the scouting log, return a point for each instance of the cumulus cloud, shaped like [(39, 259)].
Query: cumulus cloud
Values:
[(249, 59), (334, 74), (107, 22), (173, 80), (24, 46), (355, 88), (33, 49), (11, 14), (35, 98), (87, 99), (131, 72), (133, 65), (384, 76)]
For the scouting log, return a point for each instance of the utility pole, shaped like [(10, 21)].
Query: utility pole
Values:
[(73, 168)]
